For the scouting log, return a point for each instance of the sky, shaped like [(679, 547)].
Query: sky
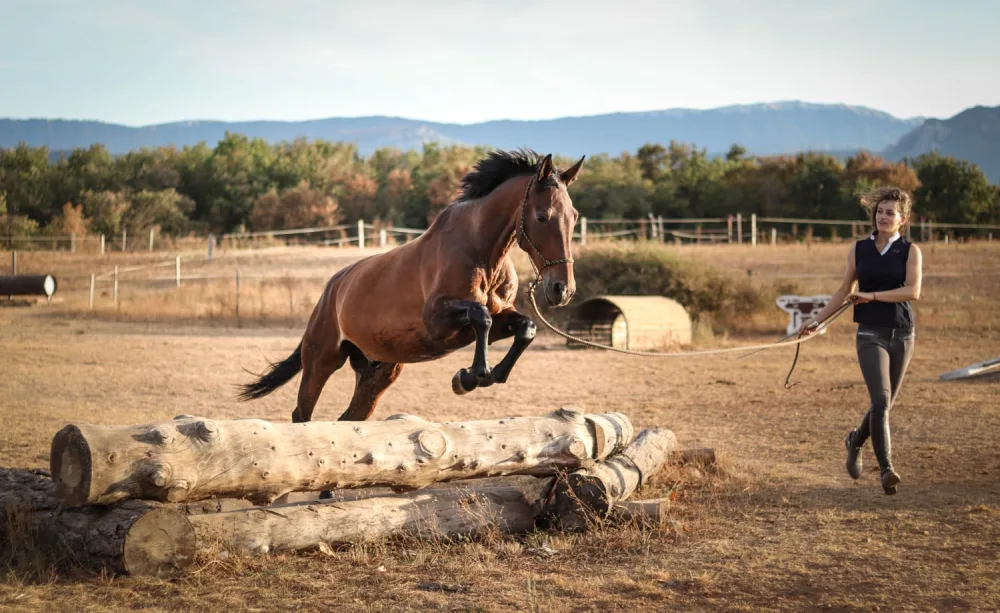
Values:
[(140, 62)]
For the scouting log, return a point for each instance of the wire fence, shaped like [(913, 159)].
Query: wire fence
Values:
[(731, 229), (194, 260)]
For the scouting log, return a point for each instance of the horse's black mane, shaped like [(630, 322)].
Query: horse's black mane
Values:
[(498, 167)]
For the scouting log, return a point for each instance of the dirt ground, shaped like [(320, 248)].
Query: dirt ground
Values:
[(777, 526)]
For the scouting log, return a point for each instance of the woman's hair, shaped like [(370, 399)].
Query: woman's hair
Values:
[(871, 199)]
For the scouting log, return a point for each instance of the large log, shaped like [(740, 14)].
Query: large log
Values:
[(156, 538), (504, 505), (192, 458), (134, 537), (592, 492)]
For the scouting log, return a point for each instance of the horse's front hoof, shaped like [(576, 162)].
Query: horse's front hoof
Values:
[(463, 382)]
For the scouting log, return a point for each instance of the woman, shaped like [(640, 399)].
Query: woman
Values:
[(888, 269)]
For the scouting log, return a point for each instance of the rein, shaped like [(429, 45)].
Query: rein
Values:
[(820, 327)]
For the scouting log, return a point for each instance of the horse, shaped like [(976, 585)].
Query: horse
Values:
[(452, 286)]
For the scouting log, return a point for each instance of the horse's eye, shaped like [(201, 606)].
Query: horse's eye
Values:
[(541, 218)]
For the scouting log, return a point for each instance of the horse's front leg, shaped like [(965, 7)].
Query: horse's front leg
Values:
[(445, 319), (506, 324)]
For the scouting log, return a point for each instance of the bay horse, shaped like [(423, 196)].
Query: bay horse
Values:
[(452, 286)]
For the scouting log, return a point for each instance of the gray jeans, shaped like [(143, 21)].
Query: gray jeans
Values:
[(883, 354)]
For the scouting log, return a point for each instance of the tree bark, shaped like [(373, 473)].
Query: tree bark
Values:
[(594, 490), (192, 458)]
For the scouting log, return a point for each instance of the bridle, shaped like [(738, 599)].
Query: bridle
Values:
[(522, 233)]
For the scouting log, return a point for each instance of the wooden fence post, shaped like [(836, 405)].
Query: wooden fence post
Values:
[(177, 270), (92, 282), (239, 323), (753, 229)]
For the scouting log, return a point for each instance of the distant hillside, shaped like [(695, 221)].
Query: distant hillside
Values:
[(369, 133), (763, 129), (973, 135)]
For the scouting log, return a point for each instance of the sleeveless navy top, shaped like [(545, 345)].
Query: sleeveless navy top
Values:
[(881, 273)]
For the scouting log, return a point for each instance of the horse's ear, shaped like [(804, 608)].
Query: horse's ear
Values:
[(545, 168), (569, 175)]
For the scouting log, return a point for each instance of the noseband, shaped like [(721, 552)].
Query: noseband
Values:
[(521, 232)]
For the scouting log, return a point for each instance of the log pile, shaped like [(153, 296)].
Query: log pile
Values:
[(148, 499)]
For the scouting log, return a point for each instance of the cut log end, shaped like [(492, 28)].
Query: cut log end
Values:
[(71, 466), (611, 431), (160, 543), (651, 513)]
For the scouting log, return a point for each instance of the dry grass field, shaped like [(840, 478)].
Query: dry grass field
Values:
[(777, 525)]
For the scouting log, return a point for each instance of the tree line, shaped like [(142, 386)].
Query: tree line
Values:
[(250, 184)]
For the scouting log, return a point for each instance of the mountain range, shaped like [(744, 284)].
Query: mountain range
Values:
[(973, 135), (763, 129)]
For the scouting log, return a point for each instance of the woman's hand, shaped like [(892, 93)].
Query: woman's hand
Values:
[(860, 297), (808, 328)]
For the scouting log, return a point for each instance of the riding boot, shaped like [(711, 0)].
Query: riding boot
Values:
[(882, 445), (854, 462)]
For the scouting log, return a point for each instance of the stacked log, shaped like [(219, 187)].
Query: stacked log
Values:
[(594, 491), (138, 537), (193, 458), (149, 499)]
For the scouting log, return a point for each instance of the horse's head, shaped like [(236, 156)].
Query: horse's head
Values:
[(548, 219)]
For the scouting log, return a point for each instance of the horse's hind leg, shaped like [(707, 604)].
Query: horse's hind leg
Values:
[(373, 378), (318, 363)]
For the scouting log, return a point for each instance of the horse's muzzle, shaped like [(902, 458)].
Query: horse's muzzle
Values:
[(557, 293)]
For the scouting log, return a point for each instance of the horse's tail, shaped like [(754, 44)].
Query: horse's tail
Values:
[(276, 376)]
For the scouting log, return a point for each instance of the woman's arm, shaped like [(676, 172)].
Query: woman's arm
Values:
[(910, 291), (837, 300)]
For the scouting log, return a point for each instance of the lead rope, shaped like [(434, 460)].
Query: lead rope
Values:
[(679, 354), (520, 232)]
